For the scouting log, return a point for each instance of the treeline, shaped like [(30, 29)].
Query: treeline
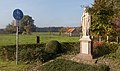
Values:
[(40, 29), (48, 29)]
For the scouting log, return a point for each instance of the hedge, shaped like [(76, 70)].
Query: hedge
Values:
[(71, 48), (67, 65), (34, 52), (26, 51), (104, 48)]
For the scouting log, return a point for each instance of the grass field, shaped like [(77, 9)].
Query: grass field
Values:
[(9, 39)]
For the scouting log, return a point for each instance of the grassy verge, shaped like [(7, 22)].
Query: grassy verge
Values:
[(11, 66)]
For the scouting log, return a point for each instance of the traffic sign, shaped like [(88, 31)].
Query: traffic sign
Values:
[(17, 14)]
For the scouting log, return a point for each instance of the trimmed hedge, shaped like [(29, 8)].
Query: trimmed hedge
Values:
[(71, 48), (67, 65), (34, 52), (27, 52)]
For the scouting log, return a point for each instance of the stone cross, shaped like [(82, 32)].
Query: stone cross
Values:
[(86, 22)]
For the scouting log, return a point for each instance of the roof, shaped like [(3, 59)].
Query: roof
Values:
[(69, 30)]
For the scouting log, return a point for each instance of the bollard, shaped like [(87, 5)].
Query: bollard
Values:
[(38, 40), (118, 39)]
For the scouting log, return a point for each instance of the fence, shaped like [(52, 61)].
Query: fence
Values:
[(106, 38)]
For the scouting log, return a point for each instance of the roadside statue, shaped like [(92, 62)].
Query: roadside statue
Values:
[(86, 22), (85, 41)]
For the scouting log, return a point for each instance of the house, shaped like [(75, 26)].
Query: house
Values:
[(73, 31)]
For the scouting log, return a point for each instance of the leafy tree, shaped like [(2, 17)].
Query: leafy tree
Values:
[(103, 12), (62, 31), (10, 28), (27, 24)]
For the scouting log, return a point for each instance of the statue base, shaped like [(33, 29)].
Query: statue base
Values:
[(85, 48), (83, 56)]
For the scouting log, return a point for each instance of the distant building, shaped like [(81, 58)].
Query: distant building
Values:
[(73, 31)]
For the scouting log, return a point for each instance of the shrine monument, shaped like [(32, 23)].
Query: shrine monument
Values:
[(85, 41)]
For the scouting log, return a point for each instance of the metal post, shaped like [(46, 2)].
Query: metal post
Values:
[(17, 43)]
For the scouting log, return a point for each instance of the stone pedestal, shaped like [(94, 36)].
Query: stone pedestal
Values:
[(85, 48)]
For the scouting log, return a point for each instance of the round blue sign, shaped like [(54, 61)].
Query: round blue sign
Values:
[(17, 14)]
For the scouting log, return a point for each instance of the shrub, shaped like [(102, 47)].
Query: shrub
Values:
[(112, 47), (100, 51), (26, 52), (97, 43), (7, 52), (117, 54), (102, 48), (35, 52), (31, 52), (53, 47), (67, 65), (70, 47), (66, 48)]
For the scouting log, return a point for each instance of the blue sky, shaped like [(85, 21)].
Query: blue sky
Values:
[(46, 13)]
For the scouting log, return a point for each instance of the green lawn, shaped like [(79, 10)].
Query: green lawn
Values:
[(9, 39), (11, 66)]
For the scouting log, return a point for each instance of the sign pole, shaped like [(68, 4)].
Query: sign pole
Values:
[(17, 42), (18, 15)]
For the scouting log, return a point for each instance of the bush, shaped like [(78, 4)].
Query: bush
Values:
[(53, 47), (35, 52), (100, 51), (67, 65), (7, 52), (31, 54), (70, 48), (102, 48), (97, 43), (112, 47), (115, 55), (26, 52)]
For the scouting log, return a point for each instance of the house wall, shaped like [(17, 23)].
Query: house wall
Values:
[(75, 33)]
